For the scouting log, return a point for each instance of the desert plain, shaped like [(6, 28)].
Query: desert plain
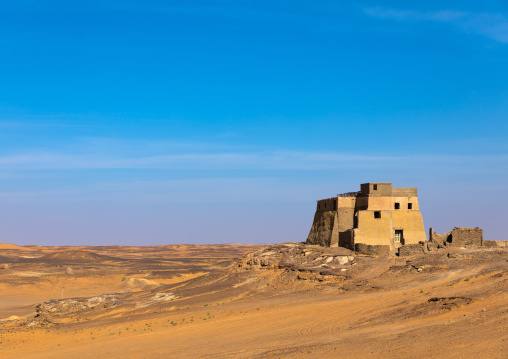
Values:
[(288, 300)]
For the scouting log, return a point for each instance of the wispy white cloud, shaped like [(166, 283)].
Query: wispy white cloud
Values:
[(397, 14), (236, 160), (492, 25)]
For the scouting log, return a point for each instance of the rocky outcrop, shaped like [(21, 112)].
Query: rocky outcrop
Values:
[(296, 255)]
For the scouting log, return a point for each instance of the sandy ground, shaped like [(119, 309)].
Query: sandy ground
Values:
[(199, 302)]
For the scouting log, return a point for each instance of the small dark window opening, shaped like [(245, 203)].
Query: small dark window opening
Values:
[(334, 204), (397, 205), (409, 206), (325, 205), (377, 214), (375, 187), (319, 206)]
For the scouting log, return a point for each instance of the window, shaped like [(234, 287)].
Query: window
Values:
[(397, 205), (325, 205), (318, 206), (409, 206), (334, 204), (398, 236), (377, 214), (375, 187)]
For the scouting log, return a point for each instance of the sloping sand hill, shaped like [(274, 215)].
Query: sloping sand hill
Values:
[(9, 246)]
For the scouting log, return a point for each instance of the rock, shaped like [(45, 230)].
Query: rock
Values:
[(163, 297), (342, 260), (458, 255), (432, 246), (69, 270), (5, 266)]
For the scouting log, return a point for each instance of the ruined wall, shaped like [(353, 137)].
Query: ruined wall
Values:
[(459, 236), (411, 223), (463, 236), (495, 244), (439, 238), (411, 250), (376, 250), (322, 228), (374, 231)]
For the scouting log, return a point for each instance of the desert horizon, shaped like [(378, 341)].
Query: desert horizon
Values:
[(253, 179)]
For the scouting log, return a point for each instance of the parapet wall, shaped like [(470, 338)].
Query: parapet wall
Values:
[(404, 192)]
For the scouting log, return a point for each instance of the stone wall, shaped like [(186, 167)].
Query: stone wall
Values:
[(463, 236), (439, 238), (411, 250), (381, 250), (459, 236), (495, 244)]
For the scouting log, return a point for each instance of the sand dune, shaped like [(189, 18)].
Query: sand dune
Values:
[(77, 255), (9, 246)]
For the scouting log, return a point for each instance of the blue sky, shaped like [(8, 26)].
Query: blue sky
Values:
[(156, 122)]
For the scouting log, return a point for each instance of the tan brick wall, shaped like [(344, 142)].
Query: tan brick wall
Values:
[(411, 223), (388, 203), (374, 231), (404, 192)]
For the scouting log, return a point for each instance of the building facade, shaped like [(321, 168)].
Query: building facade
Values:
[(378, 214)]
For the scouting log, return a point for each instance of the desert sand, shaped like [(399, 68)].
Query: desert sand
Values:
[(248, 301)]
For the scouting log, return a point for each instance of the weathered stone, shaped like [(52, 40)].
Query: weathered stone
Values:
[(410, 250), (459, 236), (377, 250)]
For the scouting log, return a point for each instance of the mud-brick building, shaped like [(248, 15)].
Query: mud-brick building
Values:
[(378, 214)]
